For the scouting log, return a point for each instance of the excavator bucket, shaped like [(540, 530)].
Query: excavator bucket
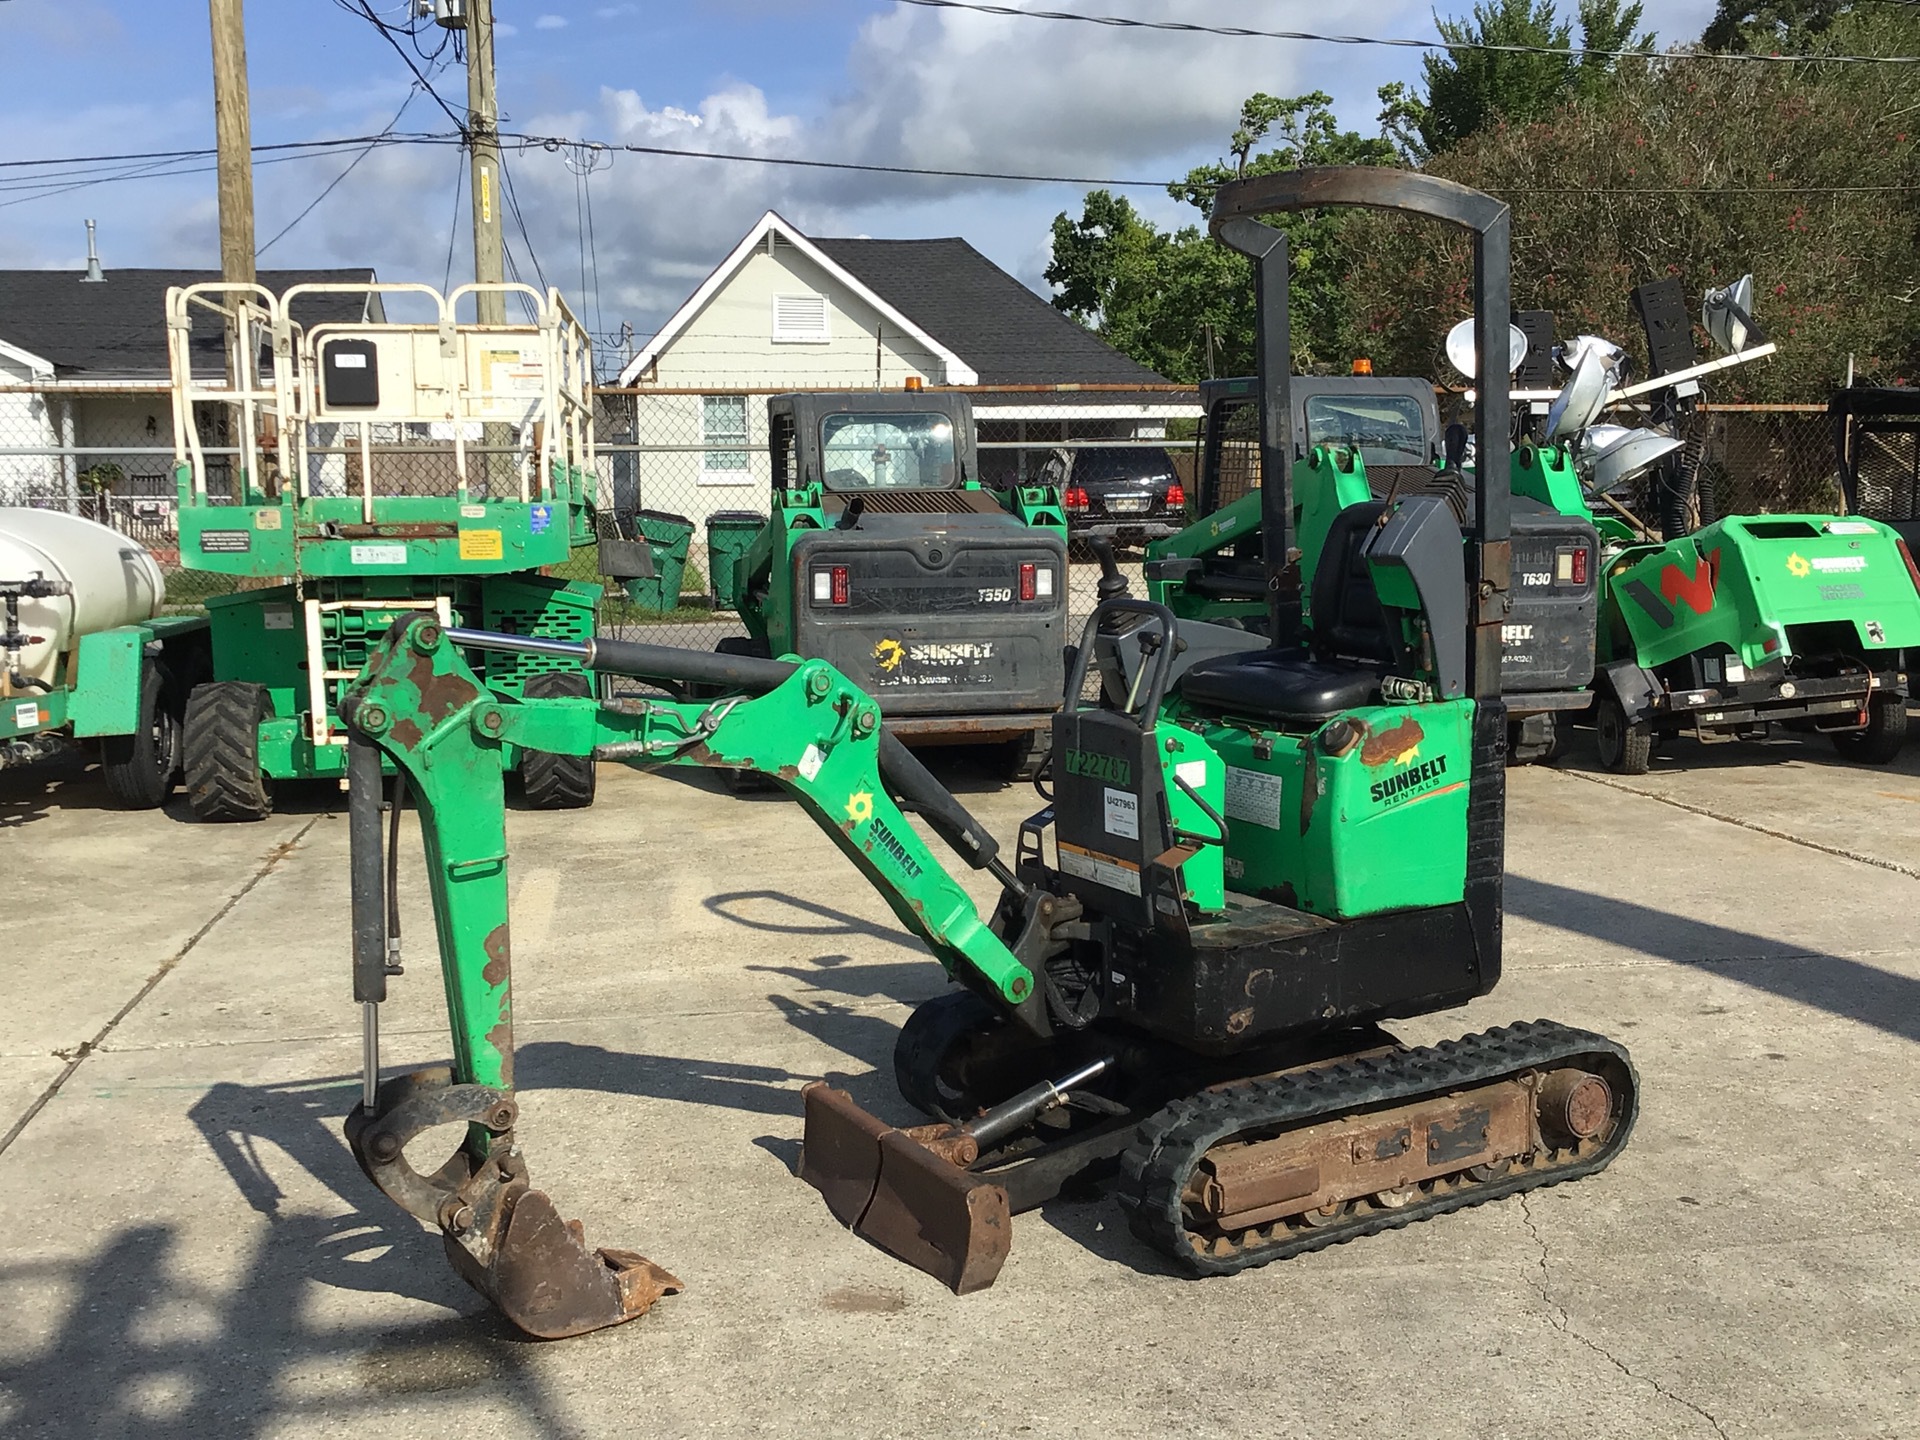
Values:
[(906, 1191), (537, 1268), (505, 1238)]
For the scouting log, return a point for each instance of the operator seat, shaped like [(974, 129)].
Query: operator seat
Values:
[(1351, 645)]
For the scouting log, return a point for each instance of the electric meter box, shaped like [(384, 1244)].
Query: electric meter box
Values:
[(350, 375)]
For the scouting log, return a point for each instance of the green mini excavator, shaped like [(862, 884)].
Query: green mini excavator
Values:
[(1250, 859)]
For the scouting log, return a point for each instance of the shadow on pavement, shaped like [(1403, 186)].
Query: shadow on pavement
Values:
[(144, 1352), (1847, 988)]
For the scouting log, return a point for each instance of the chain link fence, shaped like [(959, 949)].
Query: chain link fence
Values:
[(698, 465)]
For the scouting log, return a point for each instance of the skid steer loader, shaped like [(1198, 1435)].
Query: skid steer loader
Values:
[(1251, 858)]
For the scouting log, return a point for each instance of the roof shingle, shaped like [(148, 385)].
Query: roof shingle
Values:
[(118, 329), (973, 307)]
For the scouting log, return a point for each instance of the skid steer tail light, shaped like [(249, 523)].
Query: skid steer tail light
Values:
[(1029, 584), (1176, 495), (1045, 578), (1075, 498), (1580, 567), (1913, 571), (841, 585)]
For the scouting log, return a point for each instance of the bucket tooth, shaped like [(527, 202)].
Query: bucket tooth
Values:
[(890, 1187)]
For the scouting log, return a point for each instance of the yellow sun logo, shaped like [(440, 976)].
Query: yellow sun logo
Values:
[(1408, 755), (1799, 566), (860, 806), (889, 653)]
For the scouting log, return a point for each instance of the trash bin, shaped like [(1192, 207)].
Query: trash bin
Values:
[(730, 534), (667, 536)]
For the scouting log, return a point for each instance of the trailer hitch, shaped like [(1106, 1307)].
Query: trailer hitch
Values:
[(505, 1238)]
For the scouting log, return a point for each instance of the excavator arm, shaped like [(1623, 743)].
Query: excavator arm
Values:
[(418, 703)]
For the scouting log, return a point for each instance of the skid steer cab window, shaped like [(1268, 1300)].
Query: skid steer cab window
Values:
[(1385, 429), (888, 452)]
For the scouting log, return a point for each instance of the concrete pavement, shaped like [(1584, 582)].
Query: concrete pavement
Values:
[(191, 1252)]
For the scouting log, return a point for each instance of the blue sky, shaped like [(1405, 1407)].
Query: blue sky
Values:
[(864, 80)]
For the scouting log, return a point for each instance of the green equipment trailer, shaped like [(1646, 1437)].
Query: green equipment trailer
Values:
[(1797, 620), (88, 655), (357, 471), (1255, 852), (884, 554)]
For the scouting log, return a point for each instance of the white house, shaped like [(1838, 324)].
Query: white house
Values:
[(785, 311)]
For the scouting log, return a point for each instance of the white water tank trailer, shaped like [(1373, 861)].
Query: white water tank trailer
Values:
[(115, 582)]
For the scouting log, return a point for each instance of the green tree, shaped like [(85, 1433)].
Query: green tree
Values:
[(1785, 27), (1161, 297), (1468, 89), (1705, 171)]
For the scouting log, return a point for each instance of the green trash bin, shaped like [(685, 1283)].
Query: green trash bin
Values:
[(730, 534), (667, 536)]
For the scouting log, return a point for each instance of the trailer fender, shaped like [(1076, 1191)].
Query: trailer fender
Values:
[(1633, 687)]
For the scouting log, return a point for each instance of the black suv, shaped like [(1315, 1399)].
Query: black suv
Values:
[(1130, 493)]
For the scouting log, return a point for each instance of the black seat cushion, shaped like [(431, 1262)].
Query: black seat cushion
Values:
[(1276, 686)]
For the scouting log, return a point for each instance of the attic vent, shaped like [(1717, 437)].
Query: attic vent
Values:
[(800, 319)]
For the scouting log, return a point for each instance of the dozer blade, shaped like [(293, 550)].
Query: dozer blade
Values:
[(891, 1187)]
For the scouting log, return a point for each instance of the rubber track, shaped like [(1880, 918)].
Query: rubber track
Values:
[(1173, 1140), (221, 752), (556, 782)]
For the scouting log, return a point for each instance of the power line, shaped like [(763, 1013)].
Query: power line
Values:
[(365, 11), (524, 142), (313, 204), (513, 203), (453, 230), (1122, 22), (208, 151)]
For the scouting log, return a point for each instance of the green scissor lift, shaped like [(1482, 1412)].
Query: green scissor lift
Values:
[(354, 473)]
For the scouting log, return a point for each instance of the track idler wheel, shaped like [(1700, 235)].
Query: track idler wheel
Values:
[(505, 1238)]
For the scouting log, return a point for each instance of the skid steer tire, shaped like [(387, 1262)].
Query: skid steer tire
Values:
[(1027, 754), (557, 782), (1626, 746), (1885, 733), (140, 768), (220, 748)]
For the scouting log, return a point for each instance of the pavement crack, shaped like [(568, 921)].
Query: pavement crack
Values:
[(1709, 813), (1540, 1281), (77, 1056)]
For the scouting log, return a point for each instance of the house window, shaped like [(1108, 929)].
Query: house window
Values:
[(723, 422), (800, 319)]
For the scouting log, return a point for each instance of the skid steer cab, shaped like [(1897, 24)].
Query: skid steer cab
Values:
[(1254, 854), (885, 555)]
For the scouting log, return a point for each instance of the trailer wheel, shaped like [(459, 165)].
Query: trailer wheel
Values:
[(1626, 746), (221, 750), (1886, 731), (557, 782), (141, 767)]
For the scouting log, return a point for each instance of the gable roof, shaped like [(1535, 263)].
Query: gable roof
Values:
[(958, 371), (1009, 334), (118, 328)]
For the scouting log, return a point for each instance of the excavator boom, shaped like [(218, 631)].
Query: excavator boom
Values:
[(803, 724)]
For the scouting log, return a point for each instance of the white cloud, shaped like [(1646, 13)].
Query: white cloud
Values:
[(949, 90), (551, 22)]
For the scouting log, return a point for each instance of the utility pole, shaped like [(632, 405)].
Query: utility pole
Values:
[(483, 132), (233, 133)]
